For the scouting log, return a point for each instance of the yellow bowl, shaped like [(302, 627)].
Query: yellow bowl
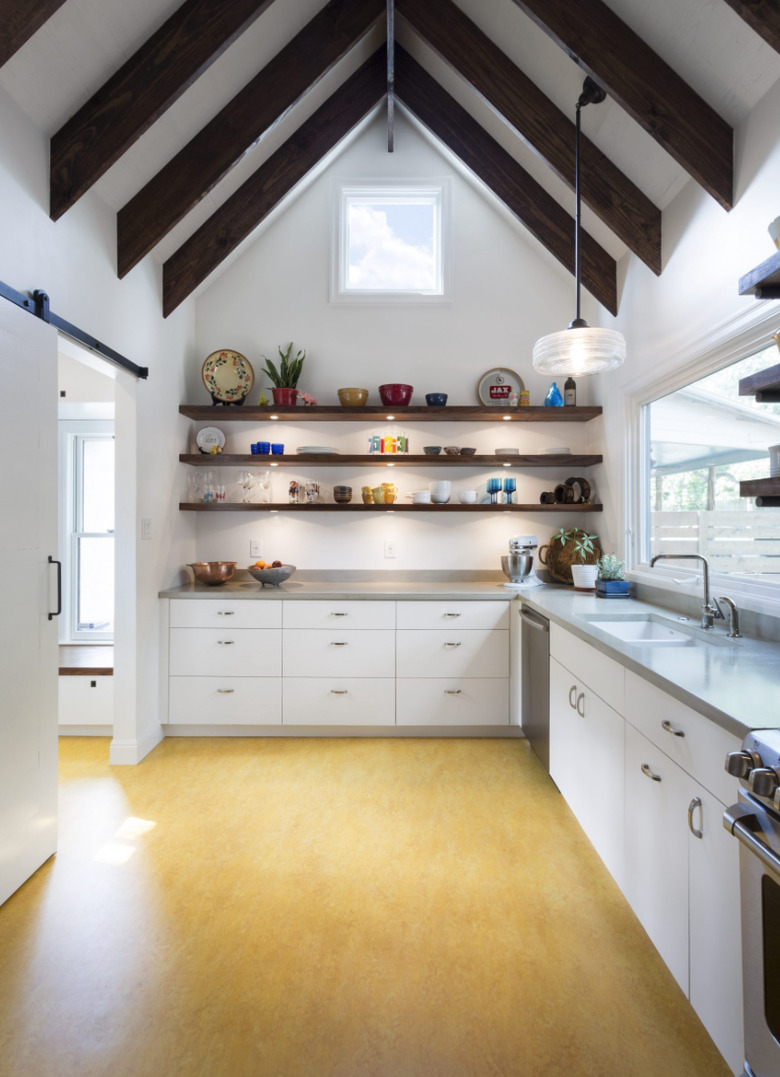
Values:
[(352, 398)]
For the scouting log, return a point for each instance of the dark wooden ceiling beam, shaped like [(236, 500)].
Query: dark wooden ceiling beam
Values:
[(508, 180), (608, 192), (645, 86), (18, 22), (199, 166), (763, 16), (140, 91), (253, 201)]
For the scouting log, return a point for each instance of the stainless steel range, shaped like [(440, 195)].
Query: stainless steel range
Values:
[(755, 821)]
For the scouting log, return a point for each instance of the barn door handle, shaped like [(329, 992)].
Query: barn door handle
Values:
[(58, 611)]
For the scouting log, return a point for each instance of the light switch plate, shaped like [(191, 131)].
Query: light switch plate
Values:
[(255, 549), (146, 527)]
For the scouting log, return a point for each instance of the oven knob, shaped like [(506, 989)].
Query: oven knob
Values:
[(764, 781), (740, 764)]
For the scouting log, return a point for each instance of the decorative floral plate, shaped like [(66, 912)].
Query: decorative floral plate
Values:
[(498, 385), (228, 376)]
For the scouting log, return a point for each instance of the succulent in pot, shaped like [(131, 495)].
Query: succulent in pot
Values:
[(285, 376), (611, 576)]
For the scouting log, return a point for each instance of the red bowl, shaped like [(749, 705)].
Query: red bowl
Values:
[(395, 395)]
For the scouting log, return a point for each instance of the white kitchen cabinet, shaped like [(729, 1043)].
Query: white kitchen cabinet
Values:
[(339, 701), (456, 615), (351, 615), (321, 652), (228, 652), (225, 613), (682, 866), (224, 701), (452, 701), (586, 761), (453, 653), (86, 701)]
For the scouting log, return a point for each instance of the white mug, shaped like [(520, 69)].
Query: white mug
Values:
[(774, 461), (440, 491)]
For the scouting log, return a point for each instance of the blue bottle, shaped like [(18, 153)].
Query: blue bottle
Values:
[(554, 398)]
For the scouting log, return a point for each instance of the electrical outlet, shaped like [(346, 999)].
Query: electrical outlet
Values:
[(146, 528), (390, 549), (255, 549)]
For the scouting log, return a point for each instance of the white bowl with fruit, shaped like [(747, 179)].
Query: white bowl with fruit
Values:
[(271, 573)]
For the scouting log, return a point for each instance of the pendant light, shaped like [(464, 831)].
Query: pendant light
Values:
[(580, 350)]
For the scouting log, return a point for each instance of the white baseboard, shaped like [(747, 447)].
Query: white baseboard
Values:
[(127, 753)]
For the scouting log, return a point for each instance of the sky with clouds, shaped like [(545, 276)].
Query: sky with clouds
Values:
[(391, 247)]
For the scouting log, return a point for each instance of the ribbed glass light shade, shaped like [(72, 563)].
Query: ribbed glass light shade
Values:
[(578, 351)]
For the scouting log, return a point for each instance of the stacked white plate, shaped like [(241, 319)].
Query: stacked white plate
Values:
[(320, 450)]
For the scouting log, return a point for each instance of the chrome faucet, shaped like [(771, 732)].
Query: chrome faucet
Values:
[(710, 608), (733, 632)]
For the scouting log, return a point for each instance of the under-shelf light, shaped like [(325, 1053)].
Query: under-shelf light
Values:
[(273, 416), (506, 418), (389, 417)]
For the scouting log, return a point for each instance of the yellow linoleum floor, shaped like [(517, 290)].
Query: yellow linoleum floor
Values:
[(308, 908)]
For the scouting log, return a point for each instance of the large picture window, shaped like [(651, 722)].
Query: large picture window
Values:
[(702, 440), (390, 242)]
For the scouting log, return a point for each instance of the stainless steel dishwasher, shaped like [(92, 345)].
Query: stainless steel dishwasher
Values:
[(535, 682)]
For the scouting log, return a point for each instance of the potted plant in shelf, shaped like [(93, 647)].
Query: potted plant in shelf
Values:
[(285, 376), (611, 579), (571, 556)]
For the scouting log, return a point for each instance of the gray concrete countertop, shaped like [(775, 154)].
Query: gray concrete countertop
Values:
[(733, 682)]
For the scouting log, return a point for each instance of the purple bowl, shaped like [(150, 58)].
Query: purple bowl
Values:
[(395, 395)]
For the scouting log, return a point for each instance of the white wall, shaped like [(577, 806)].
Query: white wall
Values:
[(74, 261), (673, 321), (507, 292)]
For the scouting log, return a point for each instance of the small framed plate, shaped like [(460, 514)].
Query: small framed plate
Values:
[(209, 436), (497, 386), (228, 376)]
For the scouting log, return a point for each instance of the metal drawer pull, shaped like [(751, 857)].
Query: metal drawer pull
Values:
[(452, 615), (573, 692), (338, 691), (694, 804), (226, 642), (334, 644), (670, 729), (581, 699), (452, 691), (336, 613), (225, 691), (452, 644), (225, 613), (648, 773)]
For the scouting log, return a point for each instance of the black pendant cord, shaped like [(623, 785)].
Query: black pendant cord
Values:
[(577, 206)]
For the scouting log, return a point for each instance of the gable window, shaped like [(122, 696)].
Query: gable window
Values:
[(701, 441), (390, 242)]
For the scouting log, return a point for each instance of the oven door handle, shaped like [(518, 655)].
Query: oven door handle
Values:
[(742, 822)]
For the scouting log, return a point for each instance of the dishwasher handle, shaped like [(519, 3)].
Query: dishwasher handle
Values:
[(541, 624)]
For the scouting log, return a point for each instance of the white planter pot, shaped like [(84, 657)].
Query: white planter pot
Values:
[(584, 577)]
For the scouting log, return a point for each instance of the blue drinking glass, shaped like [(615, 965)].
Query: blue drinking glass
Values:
[(493, 488), (510, 485)]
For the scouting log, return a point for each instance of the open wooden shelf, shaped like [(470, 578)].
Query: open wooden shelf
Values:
[(765, 491), (213, 413), (321, 506), (764, 281), (565, 461), (764, 386)]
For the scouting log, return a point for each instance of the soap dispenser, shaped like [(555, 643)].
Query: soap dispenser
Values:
[(554, 398)]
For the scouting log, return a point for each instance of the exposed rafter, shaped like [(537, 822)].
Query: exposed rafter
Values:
[(18, 22), (763, 16), (508, 180), (140, 91), (199, 166), (608, 192), (645, 86), (254, 200)]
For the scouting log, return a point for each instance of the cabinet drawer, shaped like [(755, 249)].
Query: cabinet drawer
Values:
[(603, 675), (455, 701), (86, 700), (314, 652), (218, 612), (225, 701), (334, 614), (339, 701), (702, 748), (453, 653), (225, 652), (465, 615)]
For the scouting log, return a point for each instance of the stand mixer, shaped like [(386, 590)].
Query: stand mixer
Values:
[(518, 564)]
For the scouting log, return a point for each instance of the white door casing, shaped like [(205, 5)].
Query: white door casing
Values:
[(28, 585)]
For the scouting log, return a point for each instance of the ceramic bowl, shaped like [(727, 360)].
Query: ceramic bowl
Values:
[(342, 494), (452, 450), (395, 395), (421, 497), (467, 497), (271, 577), (352, 398), (507, 452), (431, 450), (213, 572), (435, 400), (467, 452)]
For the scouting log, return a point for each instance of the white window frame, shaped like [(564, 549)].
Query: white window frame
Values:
[(344, 191), (735, 339), (70, 431)]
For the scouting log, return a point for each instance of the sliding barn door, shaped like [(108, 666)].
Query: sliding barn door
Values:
[(28, 591)]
